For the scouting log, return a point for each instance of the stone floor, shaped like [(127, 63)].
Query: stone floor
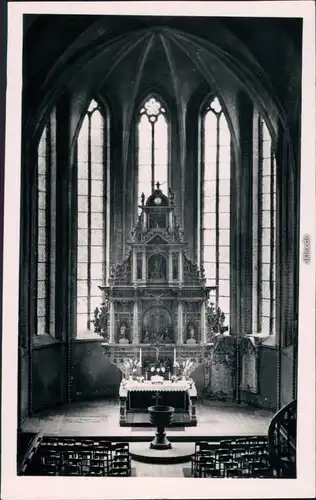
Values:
[(101, 418), (154, 470)]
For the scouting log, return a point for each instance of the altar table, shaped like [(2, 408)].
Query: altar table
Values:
[(138, 396)]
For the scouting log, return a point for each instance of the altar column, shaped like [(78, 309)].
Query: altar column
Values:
[(135, 323), (144, 270), (180, 323), (203, 324), (134, 266), (170, 266), (180, 267), (170, 220), (112, 323)]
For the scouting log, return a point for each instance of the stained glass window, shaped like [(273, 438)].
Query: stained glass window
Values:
[(152, 147), (215, 203), (91, 215)]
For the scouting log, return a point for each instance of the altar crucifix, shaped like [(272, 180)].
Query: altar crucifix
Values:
[(157, 351), (157, 396)]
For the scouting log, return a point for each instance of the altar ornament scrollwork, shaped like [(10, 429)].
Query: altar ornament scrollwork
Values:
[(122, 272), (249, 355), (136, 233), (178, 232), (191, 270), (171, 196)]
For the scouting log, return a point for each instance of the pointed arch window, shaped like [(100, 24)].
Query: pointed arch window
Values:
[(265, 234), (46, 230), (152, 138), (93, 171), (214, 199)]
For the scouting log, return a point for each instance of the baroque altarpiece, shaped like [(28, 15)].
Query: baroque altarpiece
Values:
[(157, 294), (157, 301)]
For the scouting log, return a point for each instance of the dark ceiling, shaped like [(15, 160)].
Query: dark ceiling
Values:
[(107, 54)]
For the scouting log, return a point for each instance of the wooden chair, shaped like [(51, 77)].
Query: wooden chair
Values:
[(205, 465), (262, 472), (233, 472), (120, 461), (71, 470), (202, 449)]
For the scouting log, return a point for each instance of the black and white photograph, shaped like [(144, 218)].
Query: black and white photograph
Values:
[(160, 219)]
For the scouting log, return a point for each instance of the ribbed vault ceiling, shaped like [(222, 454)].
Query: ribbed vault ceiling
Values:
[(125, 55)]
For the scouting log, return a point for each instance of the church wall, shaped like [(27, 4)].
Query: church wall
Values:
[(24, 385), (93, 375), (48, 376), (267, 395), (198, 375), (286, 376)]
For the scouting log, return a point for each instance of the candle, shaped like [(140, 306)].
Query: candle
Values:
[(174, 357), (146, 375), (140, 357), (169, 375)]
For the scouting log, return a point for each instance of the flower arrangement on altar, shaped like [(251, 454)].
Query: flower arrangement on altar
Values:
[(185, 367), (132, 367)]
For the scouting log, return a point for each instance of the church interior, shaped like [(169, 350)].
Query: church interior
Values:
[(158, 306)]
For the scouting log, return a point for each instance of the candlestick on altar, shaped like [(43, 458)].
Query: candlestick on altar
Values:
[(174, 357), (169, 376), (140, 357)]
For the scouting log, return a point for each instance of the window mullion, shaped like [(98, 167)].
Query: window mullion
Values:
[(218, 116), (152, 157), (89, 223), (201, 187), (48, 226), (272, 243), (260, 194)]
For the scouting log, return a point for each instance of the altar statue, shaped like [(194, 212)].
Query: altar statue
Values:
[(156, 271), (157, 267), (146, 336), (191, 335), (123, 335)]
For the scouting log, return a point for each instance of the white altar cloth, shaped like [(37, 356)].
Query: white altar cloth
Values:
[(180, 385)]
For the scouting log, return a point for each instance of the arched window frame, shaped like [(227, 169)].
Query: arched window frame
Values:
[(264, 231), (46, 229), (101, 208), (215, 296), (141, 111)]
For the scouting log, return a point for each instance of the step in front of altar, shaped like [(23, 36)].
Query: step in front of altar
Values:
[(179, 453), (141, 419)]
